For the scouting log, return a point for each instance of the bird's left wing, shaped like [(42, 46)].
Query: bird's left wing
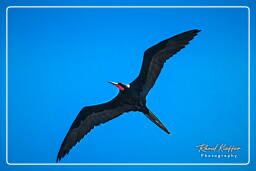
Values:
[(155, 57), (87, 119)]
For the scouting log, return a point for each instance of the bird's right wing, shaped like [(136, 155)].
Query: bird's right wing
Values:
[(87, 119), (155, 57)]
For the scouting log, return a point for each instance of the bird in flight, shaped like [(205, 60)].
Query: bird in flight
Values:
[(131, 97)]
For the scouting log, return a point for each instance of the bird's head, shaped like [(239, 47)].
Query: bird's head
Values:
[(120, 86)]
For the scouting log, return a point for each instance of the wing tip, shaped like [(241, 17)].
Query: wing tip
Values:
[(185, 36), (194, 32), (197, 30), (59, 157), (62, 153)]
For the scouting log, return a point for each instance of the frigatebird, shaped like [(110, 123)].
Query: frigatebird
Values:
[(131, 97)]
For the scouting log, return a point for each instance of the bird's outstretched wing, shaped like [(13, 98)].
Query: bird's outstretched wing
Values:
[(155, 57), (87, 119)]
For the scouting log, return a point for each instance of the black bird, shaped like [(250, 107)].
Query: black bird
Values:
[(131, 97)]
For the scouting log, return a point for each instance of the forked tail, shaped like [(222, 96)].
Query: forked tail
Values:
[(154, 119)]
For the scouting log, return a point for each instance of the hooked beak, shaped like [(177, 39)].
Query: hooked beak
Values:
[(113, 83), (117, 85)]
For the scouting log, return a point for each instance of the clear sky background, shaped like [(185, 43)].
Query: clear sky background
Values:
[(61, 59)]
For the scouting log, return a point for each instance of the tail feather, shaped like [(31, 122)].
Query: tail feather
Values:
[(156, 121)]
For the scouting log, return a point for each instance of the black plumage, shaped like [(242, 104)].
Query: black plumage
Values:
[(131, 97)]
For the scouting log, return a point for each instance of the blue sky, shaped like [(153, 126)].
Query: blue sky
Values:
[(61, 59)]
